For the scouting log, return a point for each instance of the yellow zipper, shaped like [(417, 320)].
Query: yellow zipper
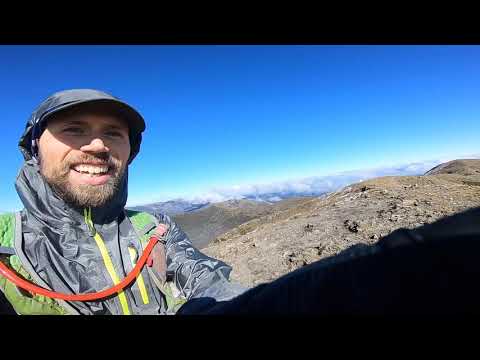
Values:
[(140, 282), (107, 260)]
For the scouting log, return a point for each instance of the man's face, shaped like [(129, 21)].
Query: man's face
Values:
[(84, 156)]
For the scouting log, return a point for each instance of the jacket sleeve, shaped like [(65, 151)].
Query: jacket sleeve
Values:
[(195, 274)]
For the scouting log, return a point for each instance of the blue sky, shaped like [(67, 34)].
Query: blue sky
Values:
[(233, 116)]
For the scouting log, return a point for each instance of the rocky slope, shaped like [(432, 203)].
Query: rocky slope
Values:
[(206, 224), (267, 247)]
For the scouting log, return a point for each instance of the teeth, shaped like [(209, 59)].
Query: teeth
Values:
[(91, 169)]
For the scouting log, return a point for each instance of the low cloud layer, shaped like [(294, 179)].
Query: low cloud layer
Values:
[(314, 185), (317, 184)]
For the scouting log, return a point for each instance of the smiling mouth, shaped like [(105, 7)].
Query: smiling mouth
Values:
[(91, 170)]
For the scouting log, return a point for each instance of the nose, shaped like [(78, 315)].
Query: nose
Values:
[(96, 146)]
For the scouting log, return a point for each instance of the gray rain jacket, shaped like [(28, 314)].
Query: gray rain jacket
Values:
[(60, 248)]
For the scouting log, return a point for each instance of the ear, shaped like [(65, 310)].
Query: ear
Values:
[(37, 155)]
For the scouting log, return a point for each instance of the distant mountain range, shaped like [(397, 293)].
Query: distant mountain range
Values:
[(204, 225), (203, 222), (315, 186), (274, 197), (181, 206), (171, 207)]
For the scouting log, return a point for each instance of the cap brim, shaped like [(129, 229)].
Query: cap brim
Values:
[(134, 120)]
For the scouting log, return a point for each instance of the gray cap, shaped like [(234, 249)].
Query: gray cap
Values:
[(69, 99)]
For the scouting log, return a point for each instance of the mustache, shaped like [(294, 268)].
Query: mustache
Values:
[(100, 159)]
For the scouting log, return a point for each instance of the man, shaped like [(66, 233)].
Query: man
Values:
[(74, 235)]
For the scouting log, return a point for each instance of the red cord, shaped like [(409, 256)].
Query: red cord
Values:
[(26, 285)]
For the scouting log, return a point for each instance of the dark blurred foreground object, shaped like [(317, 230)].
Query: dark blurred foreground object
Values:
[(433, 270), (5, 307)]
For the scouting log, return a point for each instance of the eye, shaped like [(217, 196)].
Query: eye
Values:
[(114, 134), (73, 130)]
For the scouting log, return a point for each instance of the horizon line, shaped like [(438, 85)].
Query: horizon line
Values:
[(229, 192)]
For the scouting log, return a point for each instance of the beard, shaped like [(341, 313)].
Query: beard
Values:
[(83, 195)]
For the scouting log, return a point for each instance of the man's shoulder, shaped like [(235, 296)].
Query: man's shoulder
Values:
[(161, 217), (7, 230)]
